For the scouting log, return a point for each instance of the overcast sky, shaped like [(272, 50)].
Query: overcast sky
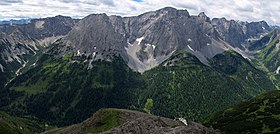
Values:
[(244, 10)]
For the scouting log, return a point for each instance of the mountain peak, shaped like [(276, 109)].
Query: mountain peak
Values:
[(168, 9), (201, 14), (204, 16), (173, 12)]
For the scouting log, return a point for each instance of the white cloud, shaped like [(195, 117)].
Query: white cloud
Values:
[(244, 10)]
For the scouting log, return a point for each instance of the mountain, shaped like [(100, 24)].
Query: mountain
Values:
[(12, 22), (119, 121), (236, 33), (269, 53), (258, 115), (266, 53), (182, 86), (143, 41), (40, 28), (275, 27), (147, 40), (21, 43), (50, 85), (164, 62)]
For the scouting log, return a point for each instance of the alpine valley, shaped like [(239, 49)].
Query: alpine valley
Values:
[(169, 68)]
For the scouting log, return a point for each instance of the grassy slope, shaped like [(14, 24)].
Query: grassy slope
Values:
[(184, 87), (64, 91), (108, 118), (101, 121), (15, 125), (269, 56), (258, 115)]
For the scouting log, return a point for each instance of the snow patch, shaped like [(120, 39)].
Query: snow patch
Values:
[(183, 121), (208, 44), (91, 60), (277, 70), (148, 45), (18, 59), (34, 64), (263, 28), (129, 43), (154, 47), (247, 58), (139, 40), (93, 54), (18, 71), (189, 40), (2, 68), (78, 53), (190, 48)]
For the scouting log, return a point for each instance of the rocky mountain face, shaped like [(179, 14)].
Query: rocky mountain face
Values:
[(18, 43), (120, 121), (236, 33), (38, 31), (190, 66), (147, 40), (12, 22)]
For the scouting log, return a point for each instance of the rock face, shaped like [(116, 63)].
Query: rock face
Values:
[(19, 42), (143, 41), (236, 33), (37, 33), (41, 28), (159, 125), (147, 40), (128, 121)]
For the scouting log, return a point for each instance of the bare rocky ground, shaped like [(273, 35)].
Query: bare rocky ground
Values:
[(120, 121)]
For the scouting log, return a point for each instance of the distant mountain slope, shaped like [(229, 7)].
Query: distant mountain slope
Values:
[(266, 54), (258, 115), (12, 22), (253, 80), (119, 121), (269, 55), (236, 33), (20, 43), (39, 29)]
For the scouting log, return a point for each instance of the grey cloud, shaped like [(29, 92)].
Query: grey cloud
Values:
[(70, 1), (187, 6), (91, 2), (108, 2), (244, 10), (8, 2)]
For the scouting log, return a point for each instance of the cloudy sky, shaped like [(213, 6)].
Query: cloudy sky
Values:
[(244, 10)]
